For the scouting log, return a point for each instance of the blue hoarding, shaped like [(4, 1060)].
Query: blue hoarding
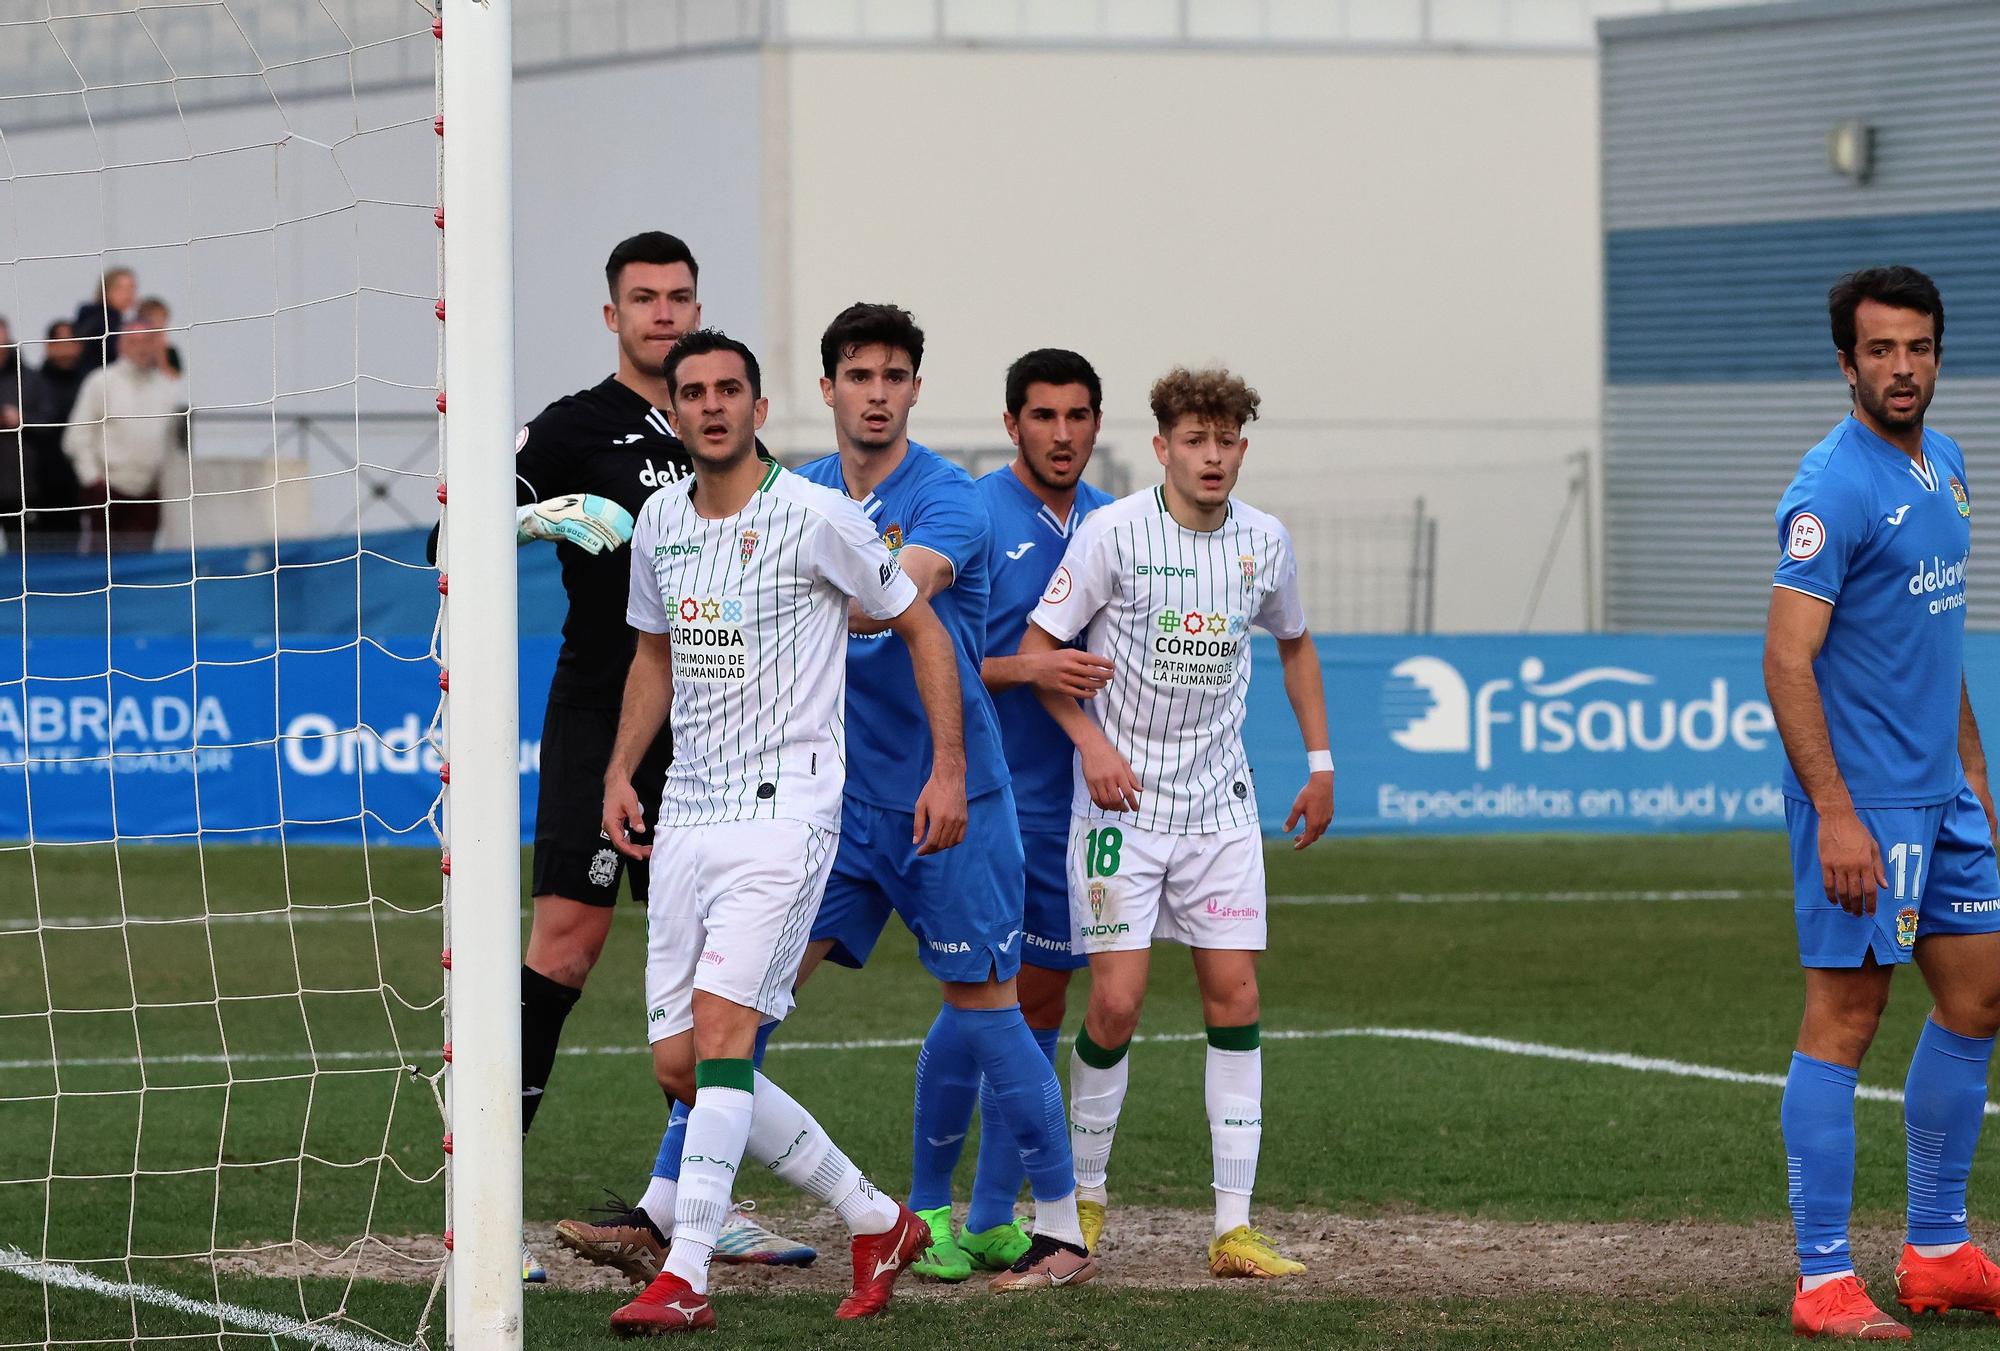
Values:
[(232, 737)]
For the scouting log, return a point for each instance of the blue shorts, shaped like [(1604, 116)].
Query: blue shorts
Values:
[(1047, 918), (1942, 880), (963, 905)]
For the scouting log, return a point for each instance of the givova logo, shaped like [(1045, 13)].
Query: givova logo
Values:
[(1428, 706)]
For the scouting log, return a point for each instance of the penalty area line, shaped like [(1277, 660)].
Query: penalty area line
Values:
[(1466, 1041), (1519, 897), (14, 1262)]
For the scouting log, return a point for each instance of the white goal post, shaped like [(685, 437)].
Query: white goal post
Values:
[(476, 557)]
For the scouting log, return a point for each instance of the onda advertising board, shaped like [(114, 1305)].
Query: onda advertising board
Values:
[(1581, 732)]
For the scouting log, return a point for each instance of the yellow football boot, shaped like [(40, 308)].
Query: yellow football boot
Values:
[(1245, 1252)]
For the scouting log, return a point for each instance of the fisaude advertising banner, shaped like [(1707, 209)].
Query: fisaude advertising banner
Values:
[(235, 741)]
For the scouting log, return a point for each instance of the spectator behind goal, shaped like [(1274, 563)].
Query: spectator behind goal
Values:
[(100, 320), (48, 393), (129, 418), (11, 474)]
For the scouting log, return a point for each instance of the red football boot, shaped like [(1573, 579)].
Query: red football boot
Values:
[(879, 1259), (1841, 1308), (1966, 1279), (669, 1304)]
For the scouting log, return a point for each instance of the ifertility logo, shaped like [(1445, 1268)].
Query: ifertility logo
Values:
[(1430, 707)]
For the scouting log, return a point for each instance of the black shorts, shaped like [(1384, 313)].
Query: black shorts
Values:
[(573, 857)]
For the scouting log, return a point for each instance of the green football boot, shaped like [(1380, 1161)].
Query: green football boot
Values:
[(995, 1249), (944, 1260)]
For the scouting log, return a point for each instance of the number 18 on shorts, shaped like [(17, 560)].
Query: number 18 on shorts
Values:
[(1128, 887)]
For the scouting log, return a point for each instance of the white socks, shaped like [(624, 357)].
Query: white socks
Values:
[(717, 1130), (1815, 1282), (658, 1202), (784, 1138), (1058, 1219), (1096, 1095), (1234, 1090)]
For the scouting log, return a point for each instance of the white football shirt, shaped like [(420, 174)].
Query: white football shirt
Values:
[(754, 607), (1172, 609)]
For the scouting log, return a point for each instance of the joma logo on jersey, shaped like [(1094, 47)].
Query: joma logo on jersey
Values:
[(675, 550), (1161, 570)]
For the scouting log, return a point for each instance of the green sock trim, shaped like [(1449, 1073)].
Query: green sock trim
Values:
[(737, 1074), (1098, 1057), (1245, 1038)]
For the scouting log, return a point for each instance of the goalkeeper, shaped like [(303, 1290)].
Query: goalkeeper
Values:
[(583, 468)]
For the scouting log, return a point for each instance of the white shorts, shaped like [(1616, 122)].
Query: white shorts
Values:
[(730, 909), (1128, 887)]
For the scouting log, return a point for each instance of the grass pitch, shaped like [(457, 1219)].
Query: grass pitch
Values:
[(182, 1111)]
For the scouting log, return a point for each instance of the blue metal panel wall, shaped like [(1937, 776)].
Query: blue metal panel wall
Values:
[(1724, 227)]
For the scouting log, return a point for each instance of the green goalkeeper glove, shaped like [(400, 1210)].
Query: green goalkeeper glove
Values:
[(593, 524)]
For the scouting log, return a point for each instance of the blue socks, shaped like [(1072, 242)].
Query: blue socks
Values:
[(997, 1181), (1944, 1105), (1818, 1121), (947, 1086), (668, 1162), (1028, 1097)]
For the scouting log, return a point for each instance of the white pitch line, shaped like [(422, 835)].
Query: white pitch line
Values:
[(355, 914), (380, 915), (1454, 897), (1537, 1050), (14, 1262)]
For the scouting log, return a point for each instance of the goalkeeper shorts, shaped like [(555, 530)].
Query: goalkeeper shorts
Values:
[(573, 857)]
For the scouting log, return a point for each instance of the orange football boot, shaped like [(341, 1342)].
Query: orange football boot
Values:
[(1841, 1308), (1966, 1279)]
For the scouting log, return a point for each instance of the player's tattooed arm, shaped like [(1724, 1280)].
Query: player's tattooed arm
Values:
[(1107, 773), (1306, 689), (1972, 755), (932, 572), (649, 694), (1850, 860), (940, 808)]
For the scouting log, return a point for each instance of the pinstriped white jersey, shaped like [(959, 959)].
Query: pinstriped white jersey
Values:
[(1172, 609), (754, 607)]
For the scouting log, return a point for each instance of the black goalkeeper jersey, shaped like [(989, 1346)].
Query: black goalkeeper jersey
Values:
[(610, 441)]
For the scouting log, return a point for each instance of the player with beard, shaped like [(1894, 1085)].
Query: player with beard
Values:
[(1889, 809), (1054, 409)]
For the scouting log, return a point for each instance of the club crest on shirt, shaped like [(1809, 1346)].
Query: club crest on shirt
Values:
[(1248, 562), (893, 537), (746, 545), (1906, 927), (1958, 496)]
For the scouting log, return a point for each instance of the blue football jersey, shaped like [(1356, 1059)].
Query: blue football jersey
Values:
[(1024, 550), (1886, 540), (929, 501)]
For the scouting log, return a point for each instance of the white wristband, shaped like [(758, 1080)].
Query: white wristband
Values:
[(1319, 762)]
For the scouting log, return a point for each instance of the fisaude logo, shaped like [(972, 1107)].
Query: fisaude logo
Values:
[(1427, 706)]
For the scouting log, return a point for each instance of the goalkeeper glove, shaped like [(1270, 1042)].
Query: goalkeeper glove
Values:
[(593, 524)]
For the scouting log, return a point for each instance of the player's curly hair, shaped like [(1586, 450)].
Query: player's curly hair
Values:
[(1214, 396)]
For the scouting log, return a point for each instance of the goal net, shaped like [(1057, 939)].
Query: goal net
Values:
[(226, 1097)]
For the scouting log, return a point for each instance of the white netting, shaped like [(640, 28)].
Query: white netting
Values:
[(220, 992)]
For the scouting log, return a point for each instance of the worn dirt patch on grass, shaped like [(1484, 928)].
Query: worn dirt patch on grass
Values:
[(1378, 1257)]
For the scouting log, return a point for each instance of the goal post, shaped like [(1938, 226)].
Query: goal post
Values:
[(482, 804)]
